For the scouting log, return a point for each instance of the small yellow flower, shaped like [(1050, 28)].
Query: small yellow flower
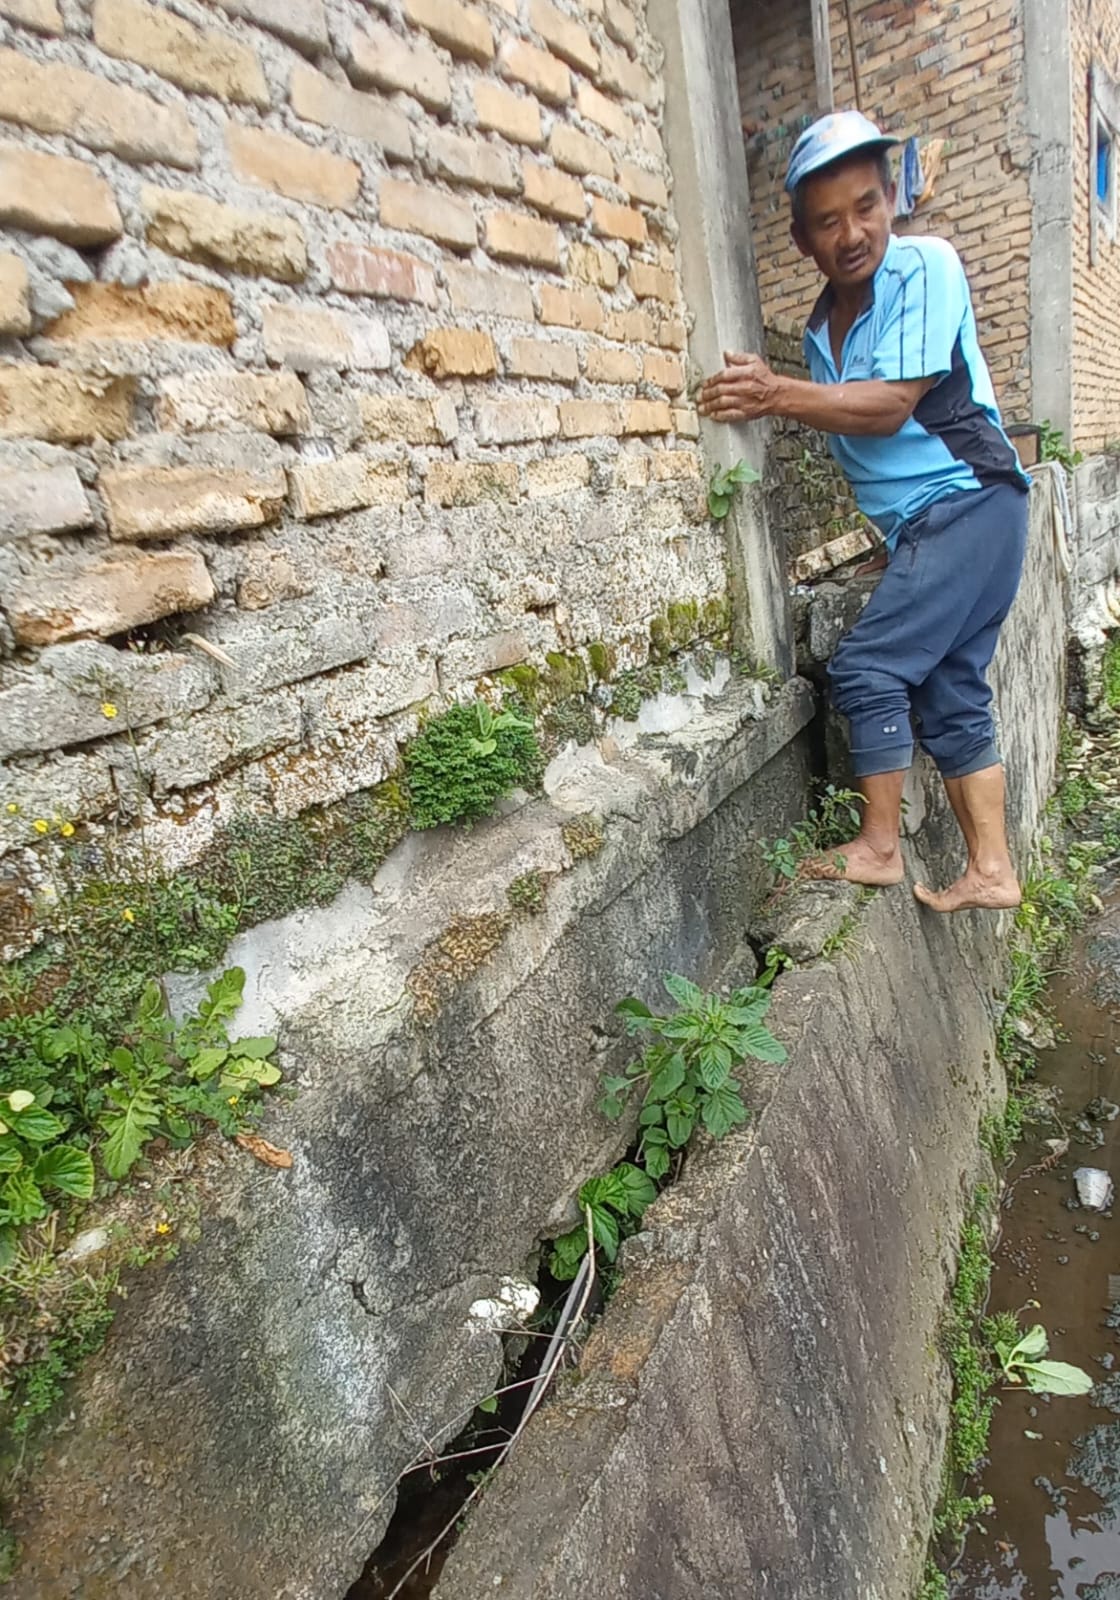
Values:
[(233, 1099), (66, 829), (108, 709), (163, 1227), (127, 915), (12, 808), (41, 825)]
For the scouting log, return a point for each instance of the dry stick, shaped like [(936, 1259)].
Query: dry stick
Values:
[(548, 1371)]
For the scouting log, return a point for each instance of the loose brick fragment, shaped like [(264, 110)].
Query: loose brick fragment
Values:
[(203, 402), (108, 597), (648, 416), (59, 99), (286, 165), (458, 158), (307, 336), (515, 421), (514, 116), (571, 308), (381, 58), (495, 293), (618, 222), (351, 483), (417, 208), (579, 153), (56, 195), (198, 229), (203, 60), (188, 313), (454, 483), (462, 29), (42, 500), (317, 98), (564, 35), (545, 359), (15, 310), (588, 419), (389, 274), (387, 418), (548, 78), (159, 502), (455, 353), (552, 192), (511, 237), (63, 407)]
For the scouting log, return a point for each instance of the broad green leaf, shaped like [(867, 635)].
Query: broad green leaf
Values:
[(121, 1060), (756, 1040), (129, 1130), (610, 1106), (682, 991), (11, 1156), (742, 473), (20, 1100), (207, 1061), (718, 504), (1031, 1346), (722, 1111), (1056, 1377), (748, 1005), (35, 1125), (22, 1198), (483, 747), (66, 1168), (668, 1079), (151, 1007), (605, 1227), (634, 1013), (685, 1025), (571, 1245), (489, 1405), (679, 1127), (242, 1074), (57, 1043), (606, 1190), (714, 1065), (616, 1085), (656, 1160), (652, 1112), (256, 1049), (225, 993), (640, 1191), (655, 1136)]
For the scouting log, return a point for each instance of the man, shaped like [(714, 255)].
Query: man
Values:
[(902, 390)]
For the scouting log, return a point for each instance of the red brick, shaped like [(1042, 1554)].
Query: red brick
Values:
[(389, 274)]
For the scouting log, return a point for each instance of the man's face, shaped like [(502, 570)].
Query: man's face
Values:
[(847, 222)]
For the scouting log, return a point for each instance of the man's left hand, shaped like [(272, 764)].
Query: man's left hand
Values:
[(745, 390)]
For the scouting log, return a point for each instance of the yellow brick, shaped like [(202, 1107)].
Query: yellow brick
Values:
[(455, 353), (418, 208), (211, 402), (55, 195), (63, 407), (553, 192), (544, 359), (590, 419), (15, 312), (380, 57), (631, 470), (60, 99), (672, 334), (686, 422), (664, 372), (351, 483), (515, 421), (159, 502), (395, 417), (462, 29), (579, 153), (108, 597), (674, 466), (605, 113), (624, 77), (41, 15), (512, 237), (202, 60), (199, 229), (557, 475), (459, 158), (604, 365), (319, 99), (651, 283), (188, 313), (621, 23), (307, 337), (648, 188), (514, 116), (453, 483), (290, 167), (563, 35), (496, 293), (547, 77), (648, 416), (571, 308), (618, 222), (591, 264)]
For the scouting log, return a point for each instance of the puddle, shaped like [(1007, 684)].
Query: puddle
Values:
[(1055, 1531)]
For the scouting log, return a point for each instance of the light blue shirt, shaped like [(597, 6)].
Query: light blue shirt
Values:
[(917, 322)]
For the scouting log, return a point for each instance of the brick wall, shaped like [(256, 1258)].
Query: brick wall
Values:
[(1095, 35), (341, 362), (926, 67)]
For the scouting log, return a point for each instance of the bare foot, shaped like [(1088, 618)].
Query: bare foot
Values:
[(858, 862), (974, 891)]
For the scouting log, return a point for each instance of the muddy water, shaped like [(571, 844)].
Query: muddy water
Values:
[(1055, 1532)]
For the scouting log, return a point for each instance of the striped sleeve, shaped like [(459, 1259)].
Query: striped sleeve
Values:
[(924, 301)]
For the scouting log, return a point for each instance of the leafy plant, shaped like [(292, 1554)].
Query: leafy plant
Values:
[(723, 486), (32, 1160), (485, 742), (1022, 1362), (616, 1199), (830, 823), (1053, 446), (688, 1073), (464, 760)]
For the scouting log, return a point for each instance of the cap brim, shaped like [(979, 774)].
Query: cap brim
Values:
[(885, 141)]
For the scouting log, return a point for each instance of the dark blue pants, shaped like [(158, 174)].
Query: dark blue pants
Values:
[(925, 641)]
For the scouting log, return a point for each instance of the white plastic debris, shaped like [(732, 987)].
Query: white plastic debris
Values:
[(514, 1304), (85, 1244), (1094, 1188)]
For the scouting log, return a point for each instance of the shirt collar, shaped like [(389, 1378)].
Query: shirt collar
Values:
[(818, 317)]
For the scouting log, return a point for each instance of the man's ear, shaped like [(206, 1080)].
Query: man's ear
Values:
[(799, 238)]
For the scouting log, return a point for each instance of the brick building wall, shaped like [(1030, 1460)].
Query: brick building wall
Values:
[(1094, 35), (341, 362), (925, 67)]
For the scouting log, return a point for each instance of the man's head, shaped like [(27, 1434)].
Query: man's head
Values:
[(842, 197)]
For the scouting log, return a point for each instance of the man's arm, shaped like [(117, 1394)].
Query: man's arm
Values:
[(747, 389)]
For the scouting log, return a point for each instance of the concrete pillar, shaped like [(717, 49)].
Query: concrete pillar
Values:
[(712, 202), (1049, 121)]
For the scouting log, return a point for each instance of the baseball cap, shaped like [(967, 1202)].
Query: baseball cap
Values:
[(826, 140)]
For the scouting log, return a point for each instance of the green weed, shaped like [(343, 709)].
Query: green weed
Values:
[(465, 759)]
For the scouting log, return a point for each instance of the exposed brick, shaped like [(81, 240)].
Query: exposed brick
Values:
[(159, 502), (42, 500), (672, 334), (544, 359), (624, 77), (460, 159), (304, 25), (592, 264), (588, 419), (648, 416), (309, 336), (547, 77), (380, 57), (462, 29), (417, 208), (272, 402), (198, 229), (359, 269), (618, 222), (455, 483), (351, 483), (319, 99), (622, 25), (604, 113), (648, 188), (200, 59), (15, 312), (393, 417), (552, 192), (674, 466), (494, 293), (108, 597), (286, 165), (686, 422), (564, 35), (63, 407), (56, 195), (604, 365), (514, 116), (59, 99), (557, 475), (664, 372), (652, 283), (512, 237), (571, 308), (630, 327), (515, 421), (579, 153), (189, 313), (631, 470), (455, 353), (41, 15)]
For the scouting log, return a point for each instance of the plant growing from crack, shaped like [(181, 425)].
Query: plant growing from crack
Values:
[(724, 484), (1021, 1359)]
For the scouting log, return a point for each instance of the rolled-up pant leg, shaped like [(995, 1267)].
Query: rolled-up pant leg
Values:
[(926, 637)]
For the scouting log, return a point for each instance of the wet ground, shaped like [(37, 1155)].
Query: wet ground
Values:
[(1055, 1463)]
